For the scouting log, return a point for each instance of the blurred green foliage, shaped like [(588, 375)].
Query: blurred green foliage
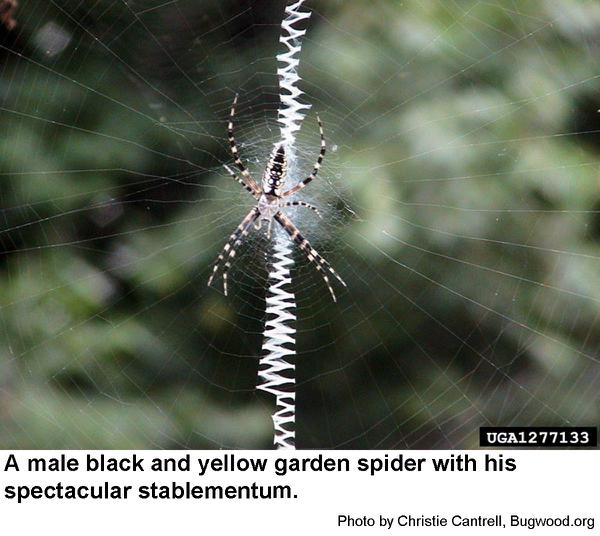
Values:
[(468, 143)]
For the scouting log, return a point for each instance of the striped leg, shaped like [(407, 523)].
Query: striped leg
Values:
[(234, 151), (317, 165), (303, 204), (237, 179), (228, 252), (311, 254)]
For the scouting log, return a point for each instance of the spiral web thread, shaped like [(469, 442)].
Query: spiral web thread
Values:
[(276, 369)]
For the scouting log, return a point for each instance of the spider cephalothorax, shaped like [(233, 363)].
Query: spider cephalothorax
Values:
[(270, 196)]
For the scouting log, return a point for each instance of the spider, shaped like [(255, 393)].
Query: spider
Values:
[(271, 199)]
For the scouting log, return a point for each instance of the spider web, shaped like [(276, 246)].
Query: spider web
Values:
[(460, 202)]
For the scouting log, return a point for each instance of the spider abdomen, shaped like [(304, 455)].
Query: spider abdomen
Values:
[(275, 173)]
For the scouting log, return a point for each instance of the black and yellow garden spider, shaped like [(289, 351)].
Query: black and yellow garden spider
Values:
[(271, 196)]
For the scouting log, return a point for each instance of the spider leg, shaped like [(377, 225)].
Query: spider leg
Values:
[(303, 204), (313, 175), (237, 179), (234, 151), (311, 253), (229, 251)]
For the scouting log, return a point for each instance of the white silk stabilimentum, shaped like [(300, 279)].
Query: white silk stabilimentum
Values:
[(291, 110), (276, 371)]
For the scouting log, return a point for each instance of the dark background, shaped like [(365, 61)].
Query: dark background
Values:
[(462, 209)]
